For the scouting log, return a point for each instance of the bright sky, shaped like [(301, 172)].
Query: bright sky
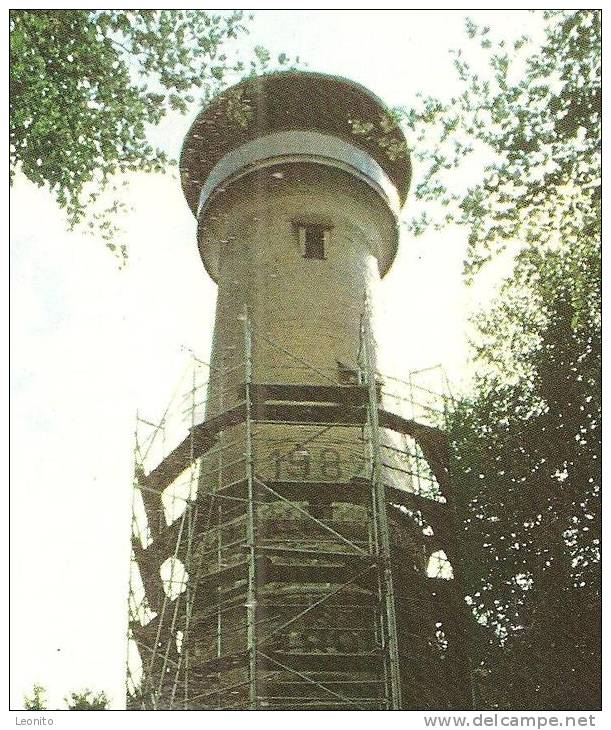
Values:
[(91, 344)]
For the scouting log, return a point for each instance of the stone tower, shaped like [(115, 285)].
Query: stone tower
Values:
[(306, 503)]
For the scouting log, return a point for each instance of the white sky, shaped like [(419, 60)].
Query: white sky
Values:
[(91, 344)]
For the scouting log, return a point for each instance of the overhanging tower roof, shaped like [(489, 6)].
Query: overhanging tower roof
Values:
[(293, 100)]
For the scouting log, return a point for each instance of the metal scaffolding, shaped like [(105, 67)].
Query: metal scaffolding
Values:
[(292, 542)]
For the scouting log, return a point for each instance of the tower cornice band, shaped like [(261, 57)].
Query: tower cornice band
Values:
[(298, 145)]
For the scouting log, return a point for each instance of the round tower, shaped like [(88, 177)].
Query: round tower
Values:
[(297, 180), (302, 553)]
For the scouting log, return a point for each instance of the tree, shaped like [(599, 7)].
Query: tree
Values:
[(515, 158), (86, 87), (84, 700), (87, 700), (37, 700), (527, 461)]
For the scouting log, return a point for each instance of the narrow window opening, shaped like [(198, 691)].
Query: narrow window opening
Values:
[(314, 241)]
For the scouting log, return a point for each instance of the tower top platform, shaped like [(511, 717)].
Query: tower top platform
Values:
[(295, 113)]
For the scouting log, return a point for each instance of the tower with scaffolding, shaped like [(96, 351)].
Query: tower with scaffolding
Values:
[(292, 524)]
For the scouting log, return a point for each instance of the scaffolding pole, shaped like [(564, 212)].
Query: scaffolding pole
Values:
[(251, 596), (381, 527)]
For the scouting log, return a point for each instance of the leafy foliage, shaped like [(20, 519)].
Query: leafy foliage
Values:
[(87, 700), (527, 442), (86, 88), (515, 155), (37, 700), (528, 455)]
